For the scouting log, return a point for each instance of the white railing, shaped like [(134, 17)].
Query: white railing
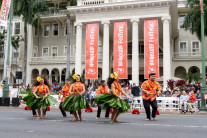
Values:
[(187, 55), (60, 12), (96, 2)]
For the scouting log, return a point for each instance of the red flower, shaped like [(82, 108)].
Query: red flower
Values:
[(157, 113), (135, 111), (86, 109), (48, 108), (111, 111), (89, 110), (26, 108)]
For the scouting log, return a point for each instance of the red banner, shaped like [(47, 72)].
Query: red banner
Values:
[(120, 48), (4, 12), (151, 47), (91, 61)]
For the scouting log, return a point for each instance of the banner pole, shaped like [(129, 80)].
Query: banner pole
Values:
[(6, 86)]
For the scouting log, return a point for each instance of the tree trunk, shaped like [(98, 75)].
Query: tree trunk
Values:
[(68, 47), (25, 54)]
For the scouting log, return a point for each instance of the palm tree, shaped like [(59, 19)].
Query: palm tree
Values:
[(70, 3), (15, 40), (193, 18), (29, 10)]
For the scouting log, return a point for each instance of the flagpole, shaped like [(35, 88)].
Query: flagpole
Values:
[(6, 86), (203, 89)]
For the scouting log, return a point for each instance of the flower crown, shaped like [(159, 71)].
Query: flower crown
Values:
[(39, 79), (114, 75), (75, 76)]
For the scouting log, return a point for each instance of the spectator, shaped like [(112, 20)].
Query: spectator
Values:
[(198, 95), (167, 90), (179, 94), (127, 86), (183, 102), (54, 87), (191, 101), (175, 94), (22, 87), (135, 90), (168, 94), (160, 94), (92, 95)]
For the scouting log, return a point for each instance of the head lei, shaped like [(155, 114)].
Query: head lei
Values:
[(114, 75), (39, 79), (75, 76)]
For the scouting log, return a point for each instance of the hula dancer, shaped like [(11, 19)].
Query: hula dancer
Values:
[(75, 101), (65, 93), (102, 89), (113, 99), (40, 97), (150, 89)]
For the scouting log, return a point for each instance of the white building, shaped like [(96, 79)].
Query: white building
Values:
[(179, 50)]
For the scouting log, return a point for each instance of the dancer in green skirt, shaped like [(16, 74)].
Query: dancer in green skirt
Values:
[(40, 97), (113, 99), (76, 101)]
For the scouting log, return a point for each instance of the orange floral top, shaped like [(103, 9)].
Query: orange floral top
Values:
[(102, 89), (42, 90), (151, 87), (118, 88), (77, 88), (65, 92)]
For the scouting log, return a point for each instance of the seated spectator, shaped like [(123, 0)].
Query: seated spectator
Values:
[(179, 94), (183, 102), (175, 94), (198, 95), (168, 94), (160, 94), (135, 90), (127, 86), (191, 101), (167, 90), (92, 95), (129, 94)]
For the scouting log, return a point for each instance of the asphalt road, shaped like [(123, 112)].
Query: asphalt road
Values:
[(20, 124)]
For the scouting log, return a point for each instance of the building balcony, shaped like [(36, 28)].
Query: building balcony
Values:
[(187, 56), (96, 2), (53, 14)]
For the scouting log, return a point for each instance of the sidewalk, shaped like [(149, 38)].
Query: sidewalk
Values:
[(56, 108)]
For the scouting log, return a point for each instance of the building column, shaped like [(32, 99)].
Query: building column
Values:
[(105, 63), (78, 59), (30, 53), (135, 51), (166, 51)]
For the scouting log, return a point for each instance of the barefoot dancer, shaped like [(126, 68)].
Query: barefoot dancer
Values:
[(113, 100), (149, 93), (65, 93), (102, 89), (40, 98), (75, 101)]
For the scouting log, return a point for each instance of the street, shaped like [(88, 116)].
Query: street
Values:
[(20, 124)]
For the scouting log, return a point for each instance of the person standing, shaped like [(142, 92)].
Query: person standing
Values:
[(65, 93), (76, 101), (113, 99), (102, 89), (150, 89), (40, 98)]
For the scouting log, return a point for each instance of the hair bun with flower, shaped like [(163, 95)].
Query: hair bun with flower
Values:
[(39, 79), (114, 75), (75, 76)]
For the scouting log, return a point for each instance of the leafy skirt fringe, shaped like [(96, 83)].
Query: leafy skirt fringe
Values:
[(111, 101), (34, 103), (75, 102)]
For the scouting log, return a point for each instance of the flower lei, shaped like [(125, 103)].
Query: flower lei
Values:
[(153, 85), (117, 85)]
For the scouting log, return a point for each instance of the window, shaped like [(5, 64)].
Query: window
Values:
[(45, 52), (54, 51), (65, 51), (36, 31), (16, 53), (55, 29), (195, 48), (183, 49), (46, 30), (1, 51), (181, 21), (17, 28), (100, 51), (35, 50)]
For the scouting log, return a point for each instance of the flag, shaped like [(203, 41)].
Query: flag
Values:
[(201, 5), (4, 12)]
